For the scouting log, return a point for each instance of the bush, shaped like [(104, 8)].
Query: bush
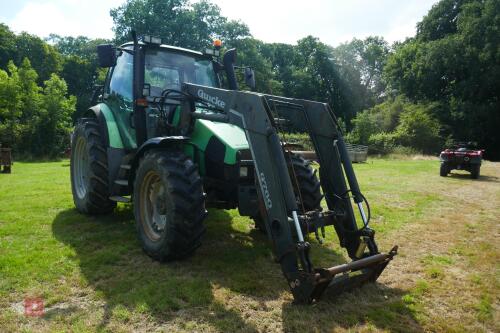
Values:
[(302, 139), (364, 127), (419, 130), (398, 123), (381, 143)]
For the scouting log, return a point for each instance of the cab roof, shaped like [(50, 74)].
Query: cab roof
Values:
[(169, 48)]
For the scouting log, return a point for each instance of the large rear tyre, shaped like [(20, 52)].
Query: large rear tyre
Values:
[(169, 205), (89, 170), (475, 171), (308, 187), (443, 170)]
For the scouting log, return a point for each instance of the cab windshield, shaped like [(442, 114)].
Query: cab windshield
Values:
[(168, 70)]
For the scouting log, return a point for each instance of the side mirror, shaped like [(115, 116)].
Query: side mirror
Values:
[(229, 57), (106, 55), (229, 60), (250, 77)]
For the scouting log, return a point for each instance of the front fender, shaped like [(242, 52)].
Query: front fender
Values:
[(154, 143)]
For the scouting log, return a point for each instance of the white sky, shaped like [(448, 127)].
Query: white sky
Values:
[(333, 21)]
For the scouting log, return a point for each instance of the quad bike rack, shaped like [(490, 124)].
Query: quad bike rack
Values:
[(285, 224)]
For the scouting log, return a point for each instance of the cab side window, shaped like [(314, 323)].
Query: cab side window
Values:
[(120, 84)]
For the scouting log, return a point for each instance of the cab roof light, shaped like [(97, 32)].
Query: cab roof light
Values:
[(151, 40), (212, 52)]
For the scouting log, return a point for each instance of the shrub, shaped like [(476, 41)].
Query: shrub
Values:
[(381, 143), (418, 129)]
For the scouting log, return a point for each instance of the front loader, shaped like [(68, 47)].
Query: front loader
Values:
[(166, 136)]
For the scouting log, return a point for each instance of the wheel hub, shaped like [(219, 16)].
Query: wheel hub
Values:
[(81, 168), (153, 206)]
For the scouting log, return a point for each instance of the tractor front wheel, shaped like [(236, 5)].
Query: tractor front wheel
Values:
[(308, 187), (169, 205), (89, 170)]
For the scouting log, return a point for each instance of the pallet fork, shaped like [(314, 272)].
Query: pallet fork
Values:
[(285, 227)]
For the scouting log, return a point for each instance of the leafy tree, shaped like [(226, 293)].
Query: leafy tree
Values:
[(10, 105), (43, 57), (7, 45), (55, 123), (29, 104), (178, 22), (33, 121), (233, 30), (361, 64), (80, 69), (454, 61), (249, 54), (282, 60), (81, 46), (441, 20), (317, 77), (81, 76)]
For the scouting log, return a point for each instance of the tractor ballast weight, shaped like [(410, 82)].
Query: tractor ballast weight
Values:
[(167, 148), (285, 227)]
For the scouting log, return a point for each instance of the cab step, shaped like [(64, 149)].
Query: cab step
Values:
[(117, 198), (121, 182)]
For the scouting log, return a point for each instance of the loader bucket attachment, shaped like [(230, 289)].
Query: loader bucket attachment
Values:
[(288, 227), (333, 281)]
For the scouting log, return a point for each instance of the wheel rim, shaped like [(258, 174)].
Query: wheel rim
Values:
[(81, 168), (153, 206)]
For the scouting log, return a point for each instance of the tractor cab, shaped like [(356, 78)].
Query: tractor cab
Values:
[(153, 74), (157, 79)]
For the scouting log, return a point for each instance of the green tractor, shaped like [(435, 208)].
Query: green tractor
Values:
[(164, 135)]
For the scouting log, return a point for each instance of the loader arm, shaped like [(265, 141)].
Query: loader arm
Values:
[(253, 112)]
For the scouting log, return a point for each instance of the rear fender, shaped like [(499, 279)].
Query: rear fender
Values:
[(107, 124), (475, 160), (111, 136)]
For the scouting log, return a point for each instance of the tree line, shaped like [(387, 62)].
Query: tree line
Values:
[(440, 86)]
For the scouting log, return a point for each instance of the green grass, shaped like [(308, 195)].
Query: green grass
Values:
[(92, 274)]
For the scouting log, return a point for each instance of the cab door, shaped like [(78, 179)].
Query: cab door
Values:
[(119, 97)]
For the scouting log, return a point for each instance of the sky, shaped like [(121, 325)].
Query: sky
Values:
[(333, 21)]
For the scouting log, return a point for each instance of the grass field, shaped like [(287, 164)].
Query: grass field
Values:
[(92, 274)]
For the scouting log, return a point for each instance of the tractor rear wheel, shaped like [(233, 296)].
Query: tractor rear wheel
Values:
[(443, 170), (89, 170), (169, 205), (475, 171), (308, 183)]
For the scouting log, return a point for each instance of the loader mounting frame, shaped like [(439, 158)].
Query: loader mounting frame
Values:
[(253, 112)]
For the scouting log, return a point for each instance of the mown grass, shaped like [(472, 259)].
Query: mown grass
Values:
[(92, 275)]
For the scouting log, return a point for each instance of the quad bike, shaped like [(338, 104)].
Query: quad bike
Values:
[(461, 157), (167, 137)]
